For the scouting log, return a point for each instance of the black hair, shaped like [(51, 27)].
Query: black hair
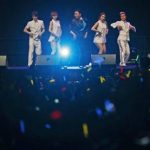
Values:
[(35, 13), (122, 12), (102, 13), (78, 10)]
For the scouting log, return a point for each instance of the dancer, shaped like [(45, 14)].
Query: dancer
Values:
[(55, 33), (79, 34), (35, 30), (101, 29), (123, 39)]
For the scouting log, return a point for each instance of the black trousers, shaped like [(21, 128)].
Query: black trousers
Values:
[(79, 51)]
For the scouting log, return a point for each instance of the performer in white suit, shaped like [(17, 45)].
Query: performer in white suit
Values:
[(34, 29), (101, 29), (55, 33), (124, 28)]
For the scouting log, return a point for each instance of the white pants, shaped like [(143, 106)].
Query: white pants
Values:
[(33, 44), (55, 46), (124, 51)]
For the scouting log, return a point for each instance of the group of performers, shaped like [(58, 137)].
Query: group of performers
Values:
[(79, 33)]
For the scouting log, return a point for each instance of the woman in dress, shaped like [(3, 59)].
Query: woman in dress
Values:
[(101, 29), (55, 33)]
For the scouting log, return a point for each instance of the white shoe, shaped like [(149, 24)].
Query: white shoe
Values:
[(123, 64)]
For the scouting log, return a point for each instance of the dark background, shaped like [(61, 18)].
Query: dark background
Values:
[(19, 97), (14, 14)]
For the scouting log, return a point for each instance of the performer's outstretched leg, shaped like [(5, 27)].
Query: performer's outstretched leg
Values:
[(38, 49), (122, 49), (53, 47), (127, 53), (31, 50)]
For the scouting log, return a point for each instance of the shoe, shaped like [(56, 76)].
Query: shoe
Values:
[(31, 67), (123, 64)]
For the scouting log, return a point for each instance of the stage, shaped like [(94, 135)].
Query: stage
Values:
[(61, 83)]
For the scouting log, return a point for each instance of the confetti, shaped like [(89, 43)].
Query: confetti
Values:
[(85, 130), (22, 126), (32, 82), (141, 80), (47, 126), (64, 78), (137, 58), (128, 74), (89, 69), (82, 75), (109, 106), (102, 79), (52, 81), (77, 82), (88, 89), (99, 112), (56, 115)]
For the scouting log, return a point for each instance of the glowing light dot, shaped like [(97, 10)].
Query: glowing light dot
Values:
[(56, 101), (37, 108), (48, 126)]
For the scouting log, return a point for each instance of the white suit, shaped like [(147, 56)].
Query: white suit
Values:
[(123, 40), (36, 29)]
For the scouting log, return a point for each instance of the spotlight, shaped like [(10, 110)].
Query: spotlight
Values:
[(65, 51)]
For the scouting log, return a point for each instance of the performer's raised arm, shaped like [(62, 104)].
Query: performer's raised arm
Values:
[(116, 25), (132, 28)]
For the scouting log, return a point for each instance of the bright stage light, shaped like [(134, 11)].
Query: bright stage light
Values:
[(65, 51)]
